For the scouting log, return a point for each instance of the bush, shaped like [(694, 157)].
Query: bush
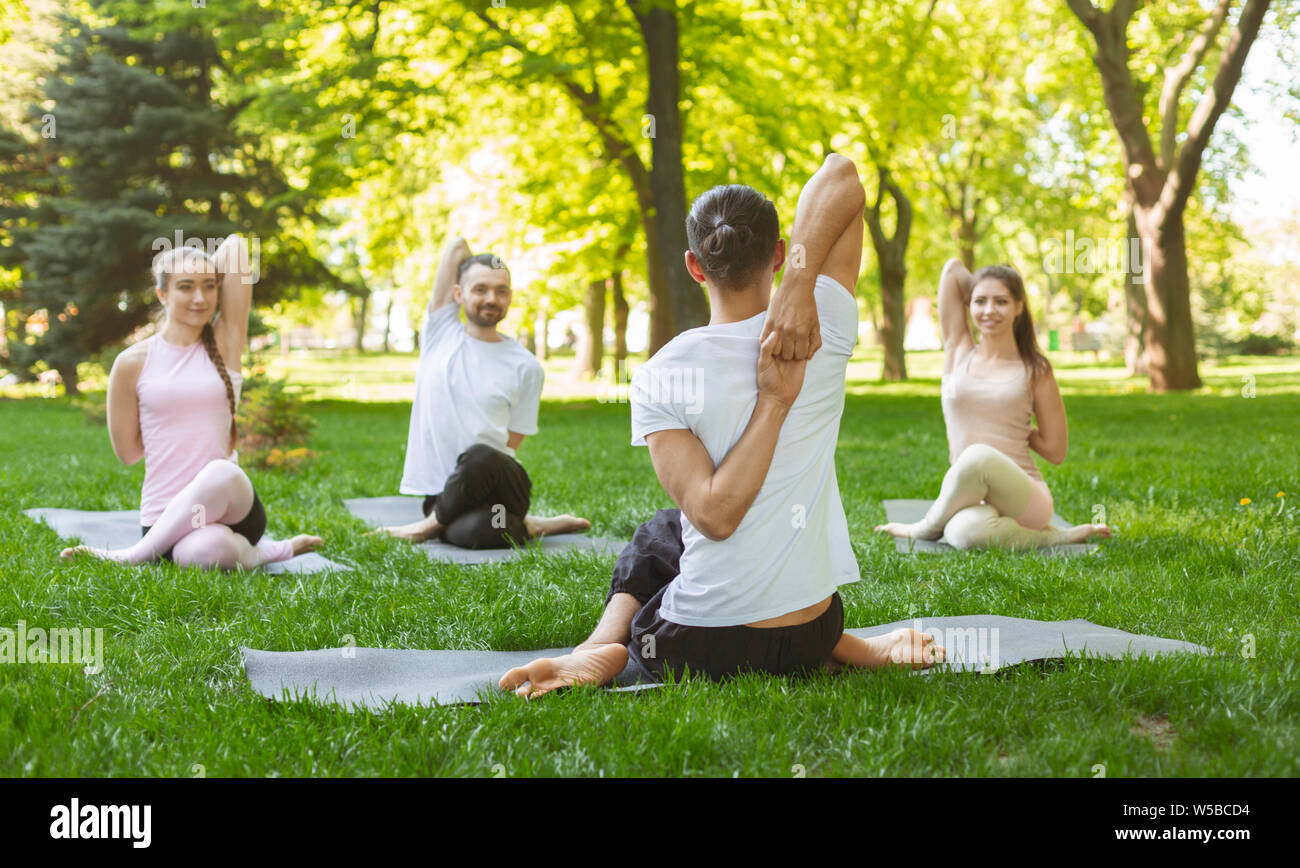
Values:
[(1265, 345), (273, 427), (94, 405)]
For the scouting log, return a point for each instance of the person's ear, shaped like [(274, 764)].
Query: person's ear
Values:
[(456, 295), (693, 266), (778, 257)]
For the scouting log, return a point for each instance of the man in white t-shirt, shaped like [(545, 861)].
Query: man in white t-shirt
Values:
[(476, 397), (741, 418)]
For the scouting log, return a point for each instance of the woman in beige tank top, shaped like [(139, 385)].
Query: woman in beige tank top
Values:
[(993, 494)]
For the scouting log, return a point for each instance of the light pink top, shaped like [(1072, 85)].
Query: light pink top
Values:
[(184, 420), (996, 414)]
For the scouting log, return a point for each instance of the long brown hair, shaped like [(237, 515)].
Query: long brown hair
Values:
[(170, 262), (1036, 364)]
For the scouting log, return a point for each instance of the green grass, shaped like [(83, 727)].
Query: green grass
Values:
[(1188, 561)]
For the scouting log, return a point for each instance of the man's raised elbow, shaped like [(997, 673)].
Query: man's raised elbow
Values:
[(839, 162), (846, 168)]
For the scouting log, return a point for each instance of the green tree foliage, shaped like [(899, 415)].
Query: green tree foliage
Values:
[(135, 154)]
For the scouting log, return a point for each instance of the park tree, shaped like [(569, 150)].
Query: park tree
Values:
[(1161, 157), (136, 153), (618, 69)]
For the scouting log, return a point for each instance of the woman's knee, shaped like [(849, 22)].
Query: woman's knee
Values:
[(1037, 514), (977, 456), (222, 472), (212, 546), (970, 527)]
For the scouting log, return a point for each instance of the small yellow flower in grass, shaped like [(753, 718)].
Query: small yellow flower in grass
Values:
[(1281, 494), (1245, 500)]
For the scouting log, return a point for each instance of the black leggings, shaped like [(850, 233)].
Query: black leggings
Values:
[(648, 566), (483, 504), (251, 527)]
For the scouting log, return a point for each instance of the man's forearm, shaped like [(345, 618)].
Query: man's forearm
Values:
[(827, 204), (735, 483), (456, 252)]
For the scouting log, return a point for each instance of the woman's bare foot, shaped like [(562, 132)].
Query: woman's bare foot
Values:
[(1080, 532), (416, 531), (102, 554), (907, 531), (304, 543), (558, 524), (594, 664), (904, 646)]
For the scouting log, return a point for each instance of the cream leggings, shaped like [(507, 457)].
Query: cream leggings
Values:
[(987, 501)]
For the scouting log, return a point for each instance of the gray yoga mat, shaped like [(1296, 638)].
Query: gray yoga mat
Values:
[(401, 509), (375, 677), (909, 511), (117, 530)]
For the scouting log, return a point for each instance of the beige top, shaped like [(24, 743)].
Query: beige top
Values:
[(985, 411)]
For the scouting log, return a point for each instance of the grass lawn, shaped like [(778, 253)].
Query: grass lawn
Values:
[(1188, 561)]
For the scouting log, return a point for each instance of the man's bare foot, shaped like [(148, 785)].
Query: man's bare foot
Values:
[(594, 664), (102, 554), (416, 531), (1080, 532), (304, 543), (558, 524), (907, 531), (904, 646)]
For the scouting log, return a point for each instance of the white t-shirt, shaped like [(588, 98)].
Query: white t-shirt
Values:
[(467, 391), (792, 548)]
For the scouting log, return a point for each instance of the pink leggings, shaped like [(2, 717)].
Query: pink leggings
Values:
[(196, 523)]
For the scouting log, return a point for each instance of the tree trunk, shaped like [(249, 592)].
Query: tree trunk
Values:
[(544, 338), (388, 320), (1170, 336), (620, 318), (68, 372), (661, 302), (966, 243), (689, 306), (891, 255), (894, 322), (591, 355), (1135, 306), (1160, 184), (361, 306)]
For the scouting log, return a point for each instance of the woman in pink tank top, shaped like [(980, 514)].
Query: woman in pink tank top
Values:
[(993, 494), (172, 401)]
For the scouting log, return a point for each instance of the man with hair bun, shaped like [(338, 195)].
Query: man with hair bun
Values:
[(743, 575)]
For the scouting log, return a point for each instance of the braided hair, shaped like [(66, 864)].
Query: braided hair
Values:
[(191, 259)]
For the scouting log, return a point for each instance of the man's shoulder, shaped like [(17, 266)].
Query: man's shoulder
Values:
[(442, 325), (683, 347), (526, 356)]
